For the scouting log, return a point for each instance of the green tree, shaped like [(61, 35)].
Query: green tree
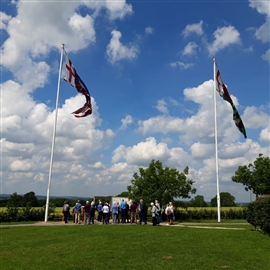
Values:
[(163, 184), (255, 176), (15, 200), (198, 201), (226, 199), (122, 194), (13, 204), (30, 199)]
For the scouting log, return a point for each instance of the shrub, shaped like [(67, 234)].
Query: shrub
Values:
[(258, 214)]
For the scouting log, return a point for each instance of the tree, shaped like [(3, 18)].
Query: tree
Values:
[(226, 199), (163, 184), (255, 176), (15, 200), (198, 201), (13, 204), (122, 194), (30, 199)]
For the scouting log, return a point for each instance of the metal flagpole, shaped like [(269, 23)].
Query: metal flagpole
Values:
[(216, 143), (54, 132)]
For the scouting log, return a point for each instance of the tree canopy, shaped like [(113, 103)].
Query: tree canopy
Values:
[(226, 199), (198, 201), (255, 176), (163, 184)]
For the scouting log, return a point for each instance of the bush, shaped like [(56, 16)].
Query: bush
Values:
[(258, 214)]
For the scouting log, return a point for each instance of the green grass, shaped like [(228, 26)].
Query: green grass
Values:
[(132, 247)]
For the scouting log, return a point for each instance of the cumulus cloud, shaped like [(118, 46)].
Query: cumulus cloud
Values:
[(126, 121), (116, 51), (162, 106), (193, 28), (224, 37), (265, 135), (262, 33), (4, 18), (190, 49), (266, 56)]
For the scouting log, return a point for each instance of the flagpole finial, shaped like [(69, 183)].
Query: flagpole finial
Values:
[(214, 59)]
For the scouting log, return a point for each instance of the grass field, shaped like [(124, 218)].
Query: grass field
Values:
[(133, 247)]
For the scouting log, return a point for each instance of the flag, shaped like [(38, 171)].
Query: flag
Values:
[(74, 79), (224, 93)]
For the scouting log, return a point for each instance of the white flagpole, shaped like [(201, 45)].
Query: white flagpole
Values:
[(54, 132), (216, 143)]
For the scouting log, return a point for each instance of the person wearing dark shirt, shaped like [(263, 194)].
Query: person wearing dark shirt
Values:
[(87, 213), (132, 209)]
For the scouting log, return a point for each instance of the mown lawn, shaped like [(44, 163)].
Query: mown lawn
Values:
[(132, 247)]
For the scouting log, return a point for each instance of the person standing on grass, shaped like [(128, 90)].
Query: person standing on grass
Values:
[(154, 214), (172, 212), (159, 217), (118, 213), (106, 212), (168, 213), (114, 212), (77, 212), (132, 209), (87, 213), (92, 212), (143, 212), (99, 208), (65, 211), (123, 206)]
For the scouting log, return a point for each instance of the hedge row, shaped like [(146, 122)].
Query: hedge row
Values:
[(16, 214), (258, 214), (32, 214), (205, 214)]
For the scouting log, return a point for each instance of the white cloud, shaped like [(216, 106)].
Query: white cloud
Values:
[(4, 18), (266, 56), (126, 121), (193, 28), (261, 6), (116, 51), (265, 135), (162, 106), (262, 33), (142, 154), (254, 118), (223, 37), (118, 9), (149, 30), (190, 49), (180, 64)]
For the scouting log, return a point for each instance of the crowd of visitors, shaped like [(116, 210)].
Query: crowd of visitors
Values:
[(119, 212)]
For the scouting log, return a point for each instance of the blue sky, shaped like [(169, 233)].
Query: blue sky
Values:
[(149, 69)]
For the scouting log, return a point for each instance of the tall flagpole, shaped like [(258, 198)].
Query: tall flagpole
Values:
[(54, 132), (216, 143)]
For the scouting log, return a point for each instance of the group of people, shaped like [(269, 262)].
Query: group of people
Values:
[(120, 212)]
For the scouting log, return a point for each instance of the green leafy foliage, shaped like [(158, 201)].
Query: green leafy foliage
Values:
[(255, 176), (163, 184), (198, 201), (258, 214), (226, 199)]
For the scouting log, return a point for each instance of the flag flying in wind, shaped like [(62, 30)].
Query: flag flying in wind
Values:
[(224, 93), (74, 79)]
